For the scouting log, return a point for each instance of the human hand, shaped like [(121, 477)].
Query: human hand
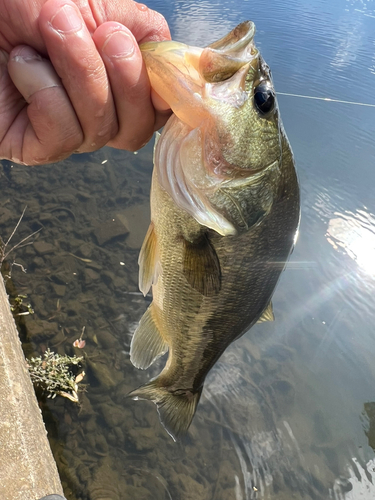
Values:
[(103, 96)]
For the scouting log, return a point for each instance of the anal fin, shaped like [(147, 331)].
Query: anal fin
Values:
[(267, 314), (147, 343), (202, 266)]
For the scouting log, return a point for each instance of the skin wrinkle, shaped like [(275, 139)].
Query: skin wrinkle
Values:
[(110, 123), (147, 25), (158, 23), (18, 156), (7, 102), (28, 28), (4, 42), (133, 141), (96, 76), (158, 29), (98, 16), (65, 133), (20, 25), (87, 13), (9, 95), (130, 98), (153, 28), (68, 143)]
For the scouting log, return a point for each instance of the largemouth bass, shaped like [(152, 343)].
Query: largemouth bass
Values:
[(224, 214)]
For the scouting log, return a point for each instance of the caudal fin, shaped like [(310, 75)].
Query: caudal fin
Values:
[(176, 410)]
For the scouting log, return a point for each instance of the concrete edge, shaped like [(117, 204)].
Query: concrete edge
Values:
[(27, 468)]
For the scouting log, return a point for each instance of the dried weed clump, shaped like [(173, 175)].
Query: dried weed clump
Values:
[(52, 373)]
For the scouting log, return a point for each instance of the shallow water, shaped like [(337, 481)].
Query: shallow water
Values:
[(288, 411)]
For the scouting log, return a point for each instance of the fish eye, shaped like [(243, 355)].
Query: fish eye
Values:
[(264, 98)]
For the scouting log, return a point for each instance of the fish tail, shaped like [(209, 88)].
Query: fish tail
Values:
[(176, 409)]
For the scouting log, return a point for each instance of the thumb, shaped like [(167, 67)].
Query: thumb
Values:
[(47, 129), (31, 73)]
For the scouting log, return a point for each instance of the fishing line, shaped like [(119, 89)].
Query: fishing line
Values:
[(328, 99)]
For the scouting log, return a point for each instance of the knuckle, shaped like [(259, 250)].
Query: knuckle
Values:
[(105, 130), (64, 145), (134, 142), (160, 29)]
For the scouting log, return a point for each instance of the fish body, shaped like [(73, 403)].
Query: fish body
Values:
[(224, 214)]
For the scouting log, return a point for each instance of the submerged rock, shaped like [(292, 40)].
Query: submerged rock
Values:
[(109, 230)]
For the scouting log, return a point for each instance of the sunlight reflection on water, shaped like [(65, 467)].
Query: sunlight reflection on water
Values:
[(349, 233), (361, 480)]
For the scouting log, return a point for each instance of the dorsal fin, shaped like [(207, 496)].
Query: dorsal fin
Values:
[(149, 264)]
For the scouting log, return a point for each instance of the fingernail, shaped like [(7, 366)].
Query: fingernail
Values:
[(119, 44), (66, 20), (31, 73), (26, 54)]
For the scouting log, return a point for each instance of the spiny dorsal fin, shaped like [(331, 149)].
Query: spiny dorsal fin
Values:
[(147, 343), (176, 409), (202, 266), (148, 261), (267, 314)]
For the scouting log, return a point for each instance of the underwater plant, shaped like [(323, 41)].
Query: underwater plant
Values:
[(53, 375)]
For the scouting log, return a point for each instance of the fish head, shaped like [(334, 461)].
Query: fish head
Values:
[(226, 123)]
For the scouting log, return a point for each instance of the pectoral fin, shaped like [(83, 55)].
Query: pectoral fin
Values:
[(147, 343), (202, 266), (267, 314), (149, 265)]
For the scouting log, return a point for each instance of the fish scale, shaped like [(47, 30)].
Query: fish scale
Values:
[(224, 215)]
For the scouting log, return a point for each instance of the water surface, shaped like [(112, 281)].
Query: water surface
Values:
[(288, 411)]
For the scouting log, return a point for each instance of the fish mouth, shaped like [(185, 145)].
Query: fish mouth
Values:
[(179, 73)]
